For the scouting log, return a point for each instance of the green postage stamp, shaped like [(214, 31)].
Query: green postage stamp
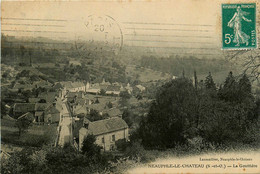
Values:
[(239, 26)]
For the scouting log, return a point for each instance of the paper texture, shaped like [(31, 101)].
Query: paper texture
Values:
[(181, 28)]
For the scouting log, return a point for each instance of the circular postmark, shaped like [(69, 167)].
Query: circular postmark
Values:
[(100, 33)]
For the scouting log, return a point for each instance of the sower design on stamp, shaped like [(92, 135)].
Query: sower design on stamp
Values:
[(239, 26)]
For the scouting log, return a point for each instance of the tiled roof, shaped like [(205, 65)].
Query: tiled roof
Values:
[(80, 110), (28, 115), (98, 107), (24, 107), (91, 90), (34, 100), (48, 96), (24, 86), (77, 84), (81, 101), (75, 94), (106, 126), (42, 106), (42, 83), (113, 112), (53, 110)]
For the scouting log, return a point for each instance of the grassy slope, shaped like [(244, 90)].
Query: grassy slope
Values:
[(35, 136)]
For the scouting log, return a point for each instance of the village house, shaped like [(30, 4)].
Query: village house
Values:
[(28, 116), (42, 112), (40, 109), (79, 110), (141, 88), (72, 86), (52, 115), (113, 112), (42, 84), (128, 88), (48, 96), (113, 90), (74, 63), (93, 88), (22, 108), (107, 132), (24, 87)]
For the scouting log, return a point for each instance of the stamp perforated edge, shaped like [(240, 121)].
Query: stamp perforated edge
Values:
[(256, 27)]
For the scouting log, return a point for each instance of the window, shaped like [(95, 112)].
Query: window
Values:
[(113, 138), (112, 147), (103, 140)]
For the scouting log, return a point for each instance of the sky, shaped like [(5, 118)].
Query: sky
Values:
[(186, 26)]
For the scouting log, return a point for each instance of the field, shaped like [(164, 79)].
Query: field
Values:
[(36, 136), (145, 74)]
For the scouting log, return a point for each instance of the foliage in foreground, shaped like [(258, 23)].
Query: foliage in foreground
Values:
[(183, 111), (52, 160)]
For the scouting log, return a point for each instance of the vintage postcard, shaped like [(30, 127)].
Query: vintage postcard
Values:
[(135, 87)]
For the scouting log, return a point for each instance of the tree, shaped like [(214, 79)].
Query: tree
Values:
[(249, 60), (229, 91), (109, 104), (96, 101), (125, 96), (127, 116), (102, 92), (209, 82), (170, 115), (245, 89), (23, 124), (195, 80), (89, 148), (22, 50), (94, 115)]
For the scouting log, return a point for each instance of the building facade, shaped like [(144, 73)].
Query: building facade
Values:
[(107, 132)]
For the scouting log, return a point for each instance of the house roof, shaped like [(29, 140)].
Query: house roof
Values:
[(80, 110), (27, 115), (24, 107), (105, 126), (57, 86), (39, 113), (75, 62), (42, 83), (48, 96), (24, 86), (81, 101), (69, 84), (74, 94), (53, 110), (66, 84), (98, 107), (93, 90), (113, 112), (95, 86), (42, 106), (77, 84), (113, 88), (34, 100)]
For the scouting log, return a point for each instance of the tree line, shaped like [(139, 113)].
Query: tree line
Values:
[(175, 64)]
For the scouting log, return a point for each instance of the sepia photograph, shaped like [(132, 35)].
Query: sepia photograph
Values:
[(130, 87)]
